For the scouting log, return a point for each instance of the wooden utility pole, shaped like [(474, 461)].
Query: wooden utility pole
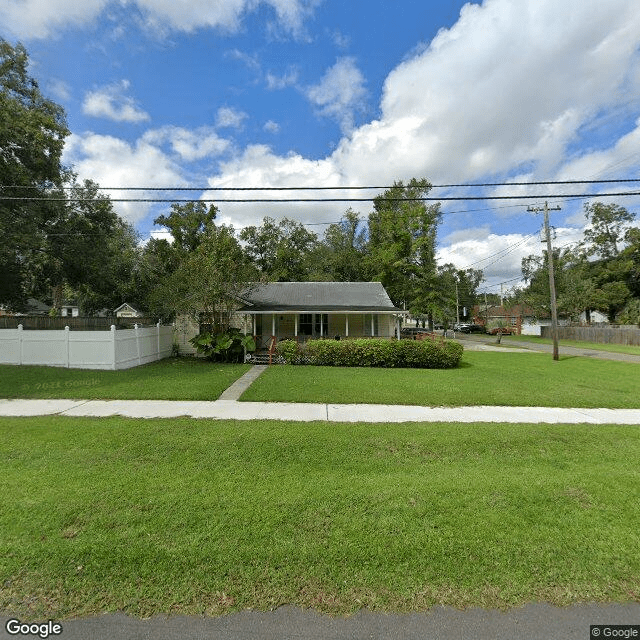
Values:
[(457, 305), (552, 282)]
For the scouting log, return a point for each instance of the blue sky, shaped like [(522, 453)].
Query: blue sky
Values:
[(235, 93)]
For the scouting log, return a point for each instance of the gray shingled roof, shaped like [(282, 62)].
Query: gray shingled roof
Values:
[(317, 296)]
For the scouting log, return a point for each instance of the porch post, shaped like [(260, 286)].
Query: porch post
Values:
[(295, 325), (321, 325), (398, 327), (273, 324), (372, 325), (346, 325)]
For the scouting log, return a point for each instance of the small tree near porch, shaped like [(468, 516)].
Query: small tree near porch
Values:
[(210, 279)]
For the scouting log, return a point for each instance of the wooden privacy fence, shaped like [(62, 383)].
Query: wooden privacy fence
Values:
[(112, 349), (628, 335), (77, 323)]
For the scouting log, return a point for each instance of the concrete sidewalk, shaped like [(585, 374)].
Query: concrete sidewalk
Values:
[(305, 412)]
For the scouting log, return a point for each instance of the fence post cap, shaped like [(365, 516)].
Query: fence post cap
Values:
[(113, 327)]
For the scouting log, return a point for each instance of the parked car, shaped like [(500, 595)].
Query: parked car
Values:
[(471, 328), (505, 331), (412, 332), (461, 327)]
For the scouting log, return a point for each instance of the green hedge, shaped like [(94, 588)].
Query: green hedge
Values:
[(422, 354)]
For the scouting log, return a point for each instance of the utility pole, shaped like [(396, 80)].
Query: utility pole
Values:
[(552, 282), (457, 305)]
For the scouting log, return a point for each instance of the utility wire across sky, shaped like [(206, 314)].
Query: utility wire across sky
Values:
[(536, 196), (354, 188)]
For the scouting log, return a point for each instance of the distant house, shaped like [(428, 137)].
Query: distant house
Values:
[(126, 311), (35, 308), (517, 316), (593, 317), (70, 310)]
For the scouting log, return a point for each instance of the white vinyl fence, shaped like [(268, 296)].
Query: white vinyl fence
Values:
[(121, 349)]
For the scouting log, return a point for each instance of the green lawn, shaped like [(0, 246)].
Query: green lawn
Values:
[(196, 516), (595, 346), (169, 379), (483, 378)]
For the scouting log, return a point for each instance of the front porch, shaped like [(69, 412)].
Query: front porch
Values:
[(302, 326)]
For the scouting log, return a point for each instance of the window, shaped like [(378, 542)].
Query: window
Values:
[(322, 324), (313, 324), (305, 326)]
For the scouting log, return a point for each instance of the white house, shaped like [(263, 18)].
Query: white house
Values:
[(126, 311), (305, 310)]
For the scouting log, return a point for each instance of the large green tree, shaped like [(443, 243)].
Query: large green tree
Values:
[(344, 250), (283, 251), (188, 223), (402, 243), (606, 228), (32, 134)]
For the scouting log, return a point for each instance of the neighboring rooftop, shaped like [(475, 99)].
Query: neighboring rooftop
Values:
[(317, 296)]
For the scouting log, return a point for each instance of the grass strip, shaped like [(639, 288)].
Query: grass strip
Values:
[(580, 344), (169, 379), (202, 517), (483, 378)]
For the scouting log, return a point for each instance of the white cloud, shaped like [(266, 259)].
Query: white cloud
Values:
[(59, 89), (189, 145), (112, 162), (289, 79), (229, 117), (271, 127), (258, 166), (339, 93), (251, 61), (511, 83), (43, 18), (498, 256), (111, 102)]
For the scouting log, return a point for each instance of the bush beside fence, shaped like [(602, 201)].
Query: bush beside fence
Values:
[(423, 354)]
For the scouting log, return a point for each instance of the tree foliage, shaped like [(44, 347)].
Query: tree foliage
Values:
[(600, 273), (282, 251), (32, 134), (209, 281), (402, 241)]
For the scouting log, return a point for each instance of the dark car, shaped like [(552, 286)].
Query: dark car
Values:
[(412, 332), (471, 328)]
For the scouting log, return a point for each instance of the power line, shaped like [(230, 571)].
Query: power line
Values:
[(466, 185), (317, 200)]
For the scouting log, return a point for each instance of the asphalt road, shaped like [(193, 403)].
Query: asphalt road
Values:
[(531, 622)]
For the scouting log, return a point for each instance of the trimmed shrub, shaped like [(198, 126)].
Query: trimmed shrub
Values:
[(290, 351), (423, 354)]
